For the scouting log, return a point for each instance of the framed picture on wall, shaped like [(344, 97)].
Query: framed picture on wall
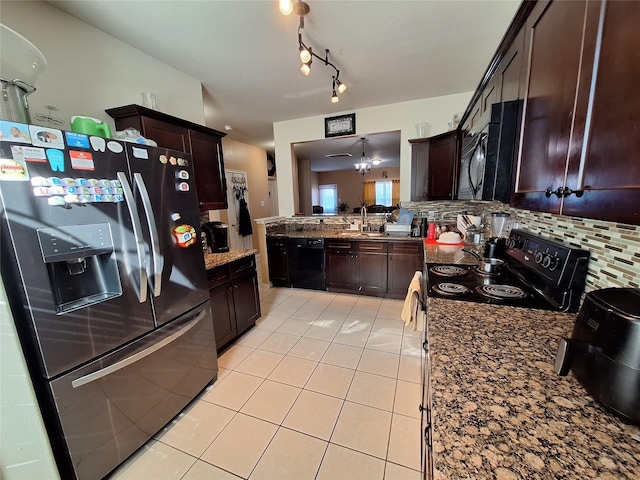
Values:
[(340, 125)]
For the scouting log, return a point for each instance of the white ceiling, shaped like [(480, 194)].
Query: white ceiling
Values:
[(245, 52)]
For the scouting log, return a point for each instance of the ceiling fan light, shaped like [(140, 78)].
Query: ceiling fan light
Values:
[(305, 68), (286, 7)]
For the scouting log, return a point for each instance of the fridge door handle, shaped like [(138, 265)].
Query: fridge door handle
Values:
[(125, 362), (157, 260), (141, 282)]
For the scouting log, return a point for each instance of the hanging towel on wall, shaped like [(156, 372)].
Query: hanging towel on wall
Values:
[(244, 219)]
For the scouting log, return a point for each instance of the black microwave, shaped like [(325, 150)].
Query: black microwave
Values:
[(488, 156)]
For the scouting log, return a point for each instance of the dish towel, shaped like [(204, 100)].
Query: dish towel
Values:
[(412, 307)]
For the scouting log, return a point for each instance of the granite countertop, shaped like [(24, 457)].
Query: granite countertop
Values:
[(499, 411), (343, 234), (213, 260)]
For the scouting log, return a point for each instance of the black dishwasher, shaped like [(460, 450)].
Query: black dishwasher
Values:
[(306, 263)]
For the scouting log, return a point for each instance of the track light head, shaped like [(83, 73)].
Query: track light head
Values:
[(306, 54), (285, 6)]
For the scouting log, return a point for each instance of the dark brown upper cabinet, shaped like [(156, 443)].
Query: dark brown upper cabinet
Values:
[(581, 112), (434, 167), (203, 143)]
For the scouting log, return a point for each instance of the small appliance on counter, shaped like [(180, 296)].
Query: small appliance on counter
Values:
[(604, 350), (216, 233)]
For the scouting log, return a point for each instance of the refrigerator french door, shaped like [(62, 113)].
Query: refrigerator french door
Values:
[(102, 263)]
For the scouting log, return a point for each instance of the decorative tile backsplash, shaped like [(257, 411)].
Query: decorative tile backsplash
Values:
[(614, 247)]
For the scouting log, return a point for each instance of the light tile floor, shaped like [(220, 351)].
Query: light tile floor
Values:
[(325, 387)]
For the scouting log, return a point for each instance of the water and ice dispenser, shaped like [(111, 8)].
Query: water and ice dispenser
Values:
[(81, 264)]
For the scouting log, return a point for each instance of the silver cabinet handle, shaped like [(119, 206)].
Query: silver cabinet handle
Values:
[(103, 372), (157, 260), (137, 233)]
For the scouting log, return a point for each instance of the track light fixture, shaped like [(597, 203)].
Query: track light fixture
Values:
[(363, 167), (301, 9)]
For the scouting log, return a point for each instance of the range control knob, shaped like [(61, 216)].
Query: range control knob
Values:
[(553, 263), (538, 257), (546, 261)]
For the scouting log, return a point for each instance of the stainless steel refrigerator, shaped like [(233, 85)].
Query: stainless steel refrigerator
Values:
[(102, 262)]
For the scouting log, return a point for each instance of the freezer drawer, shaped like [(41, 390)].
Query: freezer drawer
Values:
[(111, 407)]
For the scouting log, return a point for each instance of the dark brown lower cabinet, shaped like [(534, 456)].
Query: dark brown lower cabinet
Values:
[(405, 258), (278, 258), (235, 299), (356, 266)]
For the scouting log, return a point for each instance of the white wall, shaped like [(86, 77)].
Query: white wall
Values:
[(437, 111), (89, 71), (24, 446)]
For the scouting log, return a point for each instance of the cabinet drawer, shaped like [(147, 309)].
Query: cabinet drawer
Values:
[(276, 242), (219, 275), (342, 245), (243, 266), (372, 246), (405, 247)]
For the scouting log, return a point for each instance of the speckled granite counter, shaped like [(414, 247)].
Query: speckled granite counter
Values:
[(212, 260), (343, 234), (500, 412)]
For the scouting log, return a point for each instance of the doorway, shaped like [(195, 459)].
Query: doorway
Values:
[(236, 191)]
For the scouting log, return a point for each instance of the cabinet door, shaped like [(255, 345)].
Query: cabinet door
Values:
[(339, 270), (166, 135), (224, 323), (443, 159), (402, 267), (419, 171), (246, 302), (370, 266), (510, 76), (554, 37), (606, 167), (371, 272), (278, 260), (434, 167), (206, 151)]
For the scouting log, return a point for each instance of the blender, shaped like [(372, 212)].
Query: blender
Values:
[(500, 223)]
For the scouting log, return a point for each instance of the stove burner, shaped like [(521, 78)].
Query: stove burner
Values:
[(501, 292), (451, 289), (448, 270)]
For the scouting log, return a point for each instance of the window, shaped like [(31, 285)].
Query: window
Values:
[(329, 198), (384, 193)]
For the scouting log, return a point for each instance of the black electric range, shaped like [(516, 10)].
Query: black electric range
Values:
[(538, 273)]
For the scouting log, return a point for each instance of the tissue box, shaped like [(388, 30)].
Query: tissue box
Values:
[(396, 229)]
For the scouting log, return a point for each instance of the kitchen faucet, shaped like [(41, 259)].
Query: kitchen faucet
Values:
[(363, 217)]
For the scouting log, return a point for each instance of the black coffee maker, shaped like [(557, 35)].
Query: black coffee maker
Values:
[(216, 233)]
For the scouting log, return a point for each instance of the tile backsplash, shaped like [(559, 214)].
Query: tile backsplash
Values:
[(614, 247)]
